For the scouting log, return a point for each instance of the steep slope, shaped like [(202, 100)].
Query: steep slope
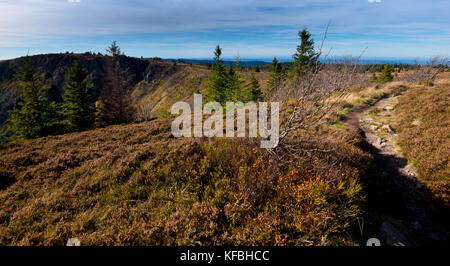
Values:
[(155, 84), (149, 78)]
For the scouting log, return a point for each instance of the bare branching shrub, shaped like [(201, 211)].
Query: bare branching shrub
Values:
[(315, 94), (427, 72)]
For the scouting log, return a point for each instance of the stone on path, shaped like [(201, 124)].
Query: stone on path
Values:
[(73, 242)]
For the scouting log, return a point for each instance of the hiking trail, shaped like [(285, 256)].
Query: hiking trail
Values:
[(400, 211)]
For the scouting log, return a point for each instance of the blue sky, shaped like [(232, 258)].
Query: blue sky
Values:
[(256, 29)]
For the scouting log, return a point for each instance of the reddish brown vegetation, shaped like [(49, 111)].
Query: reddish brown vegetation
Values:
[(136, 185), (424, 134)]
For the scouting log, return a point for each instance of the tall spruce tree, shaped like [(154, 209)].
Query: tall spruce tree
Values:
[(78, 108), (216, 90), (36, 116), (305, 56)]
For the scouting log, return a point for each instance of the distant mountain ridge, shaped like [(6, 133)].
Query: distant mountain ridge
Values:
[(227, 62), (265, 61)]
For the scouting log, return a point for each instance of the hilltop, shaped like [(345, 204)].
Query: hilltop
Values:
[(149, 76), (155, 84)]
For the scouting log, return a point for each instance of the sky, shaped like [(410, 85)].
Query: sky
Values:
[(252, 29)]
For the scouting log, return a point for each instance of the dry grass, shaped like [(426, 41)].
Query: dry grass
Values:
[(136, 185), (174, 83), (177, 83), (423, 124), (360, 97)]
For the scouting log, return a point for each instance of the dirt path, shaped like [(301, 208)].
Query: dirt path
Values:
[(400, 209)]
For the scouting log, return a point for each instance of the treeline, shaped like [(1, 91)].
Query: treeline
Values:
[(36, 116), (225, 85), (373, 68), (361, 68)]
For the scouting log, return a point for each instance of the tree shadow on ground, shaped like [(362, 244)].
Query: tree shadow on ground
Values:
[(402, 200)]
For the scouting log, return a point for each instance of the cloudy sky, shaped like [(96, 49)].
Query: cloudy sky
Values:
[(250, 28)]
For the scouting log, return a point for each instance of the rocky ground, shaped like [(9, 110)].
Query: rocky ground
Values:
[(376, 122)]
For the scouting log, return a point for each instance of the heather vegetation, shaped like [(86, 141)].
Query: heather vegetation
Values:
[(424, 133), (134, 185), (90, 166)]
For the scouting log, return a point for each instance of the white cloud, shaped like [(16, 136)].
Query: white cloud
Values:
[(50, 23)]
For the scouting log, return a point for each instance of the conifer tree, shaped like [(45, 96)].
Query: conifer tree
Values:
[(35, 115), (216, 90), (276, 76), (234, 90), (115, 105), (224, 83), (254, 88), (374, 77), (78, 108), (114, 50), (305, 56), (386, 74)]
